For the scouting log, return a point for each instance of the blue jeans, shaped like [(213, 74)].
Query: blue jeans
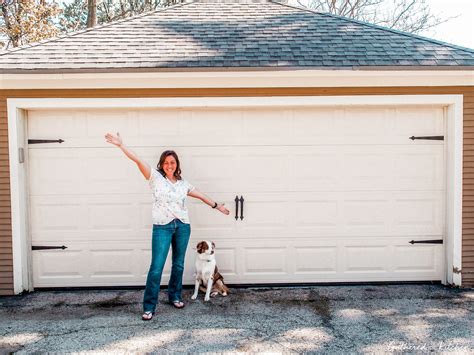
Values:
[(175, 234)]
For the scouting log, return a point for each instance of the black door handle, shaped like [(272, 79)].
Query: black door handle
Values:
[(241, 207), (236, 207)]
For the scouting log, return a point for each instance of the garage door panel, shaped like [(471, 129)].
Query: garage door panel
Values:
[(366, 258), (111, 263), (310, 127), (264, 171), (106, 174), (313, 260), (100, 122), (419, 214), (365, 169), (419, 121), (90, 218), (209, 224), (62, 169), (267, 260), (99, 263), (355, 122), (56, 267), (339, 213), (420, 167), (311, 169), (318, 212), (331, 194), (68, 125), (365, 215), (266, 127), (55, 214), (82, 171), (158, 128), (188, 127), (266, 214), (226, 261), (416, 258), (212, 127), (112, 216), (211, 170), (224, 127)]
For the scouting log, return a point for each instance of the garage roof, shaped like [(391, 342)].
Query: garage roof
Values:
[(208, 34)]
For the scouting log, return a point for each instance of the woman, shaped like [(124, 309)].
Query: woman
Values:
[(170, 223)]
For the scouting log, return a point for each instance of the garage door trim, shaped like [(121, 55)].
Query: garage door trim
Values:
[(18, 183)]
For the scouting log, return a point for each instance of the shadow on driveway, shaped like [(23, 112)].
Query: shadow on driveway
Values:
[(389, 318)]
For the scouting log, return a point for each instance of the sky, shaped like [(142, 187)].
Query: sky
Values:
[(458, 30)]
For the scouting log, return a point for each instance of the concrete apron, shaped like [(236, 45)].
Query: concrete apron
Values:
[(389, 318)]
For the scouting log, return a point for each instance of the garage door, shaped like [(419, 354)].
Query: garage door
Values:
[(330, 194)]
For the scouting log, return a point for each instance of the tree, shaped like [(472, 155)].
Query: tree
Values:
[(413, 16), (25, 21), (91, 13), (75, 14)]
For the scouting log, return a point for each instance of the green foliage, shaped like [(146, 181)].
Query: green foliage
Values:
[(74, 16)]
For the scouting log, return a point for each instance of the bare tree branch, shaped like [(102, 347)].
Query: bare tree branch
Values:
[(412, 16)]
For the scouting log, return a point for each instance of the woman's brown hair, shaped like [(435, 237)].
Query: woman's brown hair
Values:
[(164, 155)]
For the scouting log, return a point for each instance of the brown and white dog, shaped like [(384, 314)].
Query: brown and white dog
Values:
[(207, 274)]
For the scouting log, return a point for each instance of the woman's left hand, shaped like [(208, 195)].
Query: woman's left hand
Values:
[(222, 209)]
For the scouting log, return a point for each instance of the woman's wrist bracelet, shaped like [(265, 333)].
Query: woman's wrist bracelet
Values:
[(215, 205)]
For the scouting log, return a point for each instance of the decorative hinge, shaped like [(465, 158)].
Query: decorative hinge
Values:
[(47, 247), (38, 141), (430, 241), (433, 138)]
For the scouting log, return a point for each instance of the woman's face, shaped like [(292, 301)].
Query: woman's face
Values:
[(169, 165)]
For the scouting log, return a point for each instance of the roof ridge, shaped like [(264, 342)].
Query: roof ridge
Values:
[(469, 50), (107, 24)]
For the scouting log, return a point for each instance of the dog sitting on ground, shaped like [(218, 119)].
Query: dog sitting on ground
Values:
[(208, 278)]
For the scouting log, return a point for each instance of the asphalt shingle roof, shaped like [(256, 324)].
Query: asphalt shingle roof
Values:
[(228, 34)]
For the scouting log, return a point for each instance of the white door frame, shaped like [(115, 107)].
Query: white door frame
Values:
[(18, 172)]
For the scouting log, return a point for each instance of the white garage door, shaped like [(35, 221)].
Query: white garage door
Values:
[(330, 194)]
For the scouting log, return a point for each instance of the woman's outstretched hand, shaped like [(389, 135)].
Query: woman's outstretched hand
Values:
[(222, 209), (114, 139)]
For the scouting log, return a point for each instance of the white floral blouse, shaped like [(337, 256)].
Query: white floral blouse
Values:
[(169, 199)]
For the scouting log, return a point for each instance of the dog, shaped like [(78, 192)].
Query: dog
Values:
[(208, 278)]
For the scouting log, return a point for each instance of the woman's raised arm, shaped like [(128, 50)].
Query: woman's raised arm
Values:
[(142, 165)]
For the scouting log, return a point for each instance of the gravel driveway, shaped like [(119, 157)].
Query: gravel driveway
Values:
[(326, 319)]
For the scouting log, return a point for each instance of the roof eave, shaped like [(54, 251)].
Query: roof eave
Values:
[(234, 69)]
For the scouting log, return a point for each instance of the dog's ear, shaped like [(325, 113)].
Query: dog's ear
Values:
[(213, 245), (200, 247)]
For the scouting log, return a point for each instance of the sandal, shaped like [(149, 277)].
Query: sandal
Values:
[(147, 316), (177, 304)]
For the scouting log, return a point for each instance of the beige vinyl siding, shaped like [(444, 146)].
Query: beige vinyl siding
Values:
[(6, 266)]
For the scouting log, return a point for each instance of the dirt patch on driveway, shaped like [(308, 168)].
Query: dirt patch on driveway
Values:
[(331, 319)]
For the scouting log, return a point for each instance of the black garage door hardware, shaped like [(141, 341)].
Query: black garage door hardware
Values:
[(47, 247), (37, 141), (431, 241), (237, 200), (433, 138)]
